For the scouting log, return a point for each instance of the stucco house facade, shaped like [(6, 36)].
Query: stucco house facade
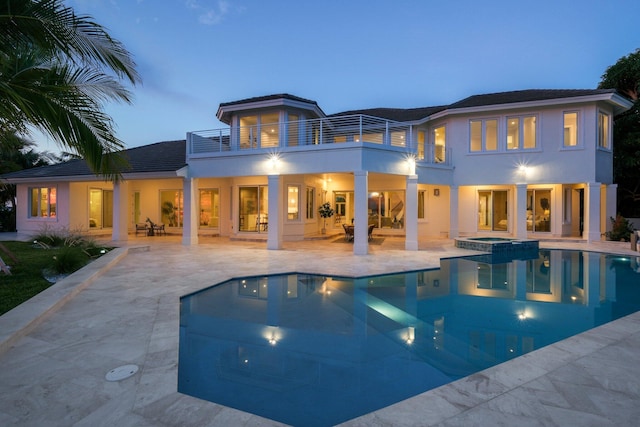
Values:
[(531, 163)]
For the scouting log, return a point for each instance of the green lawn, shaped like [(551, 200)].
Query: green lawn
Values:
[(26, 279)]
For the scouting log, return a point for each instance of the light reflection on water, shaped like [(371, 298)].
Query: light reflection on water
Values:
[(316, 350)]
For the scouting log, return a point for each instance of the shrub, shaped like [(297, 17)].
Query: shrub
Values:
[(69, 259), (621, 229)]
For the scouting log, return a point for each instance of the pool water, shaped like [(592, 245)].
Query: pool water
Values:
[(316, 350)]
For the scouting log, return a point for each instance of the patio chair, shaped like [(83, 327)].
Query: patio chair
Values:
[(348, 232), (142, 226), (371, 227), (159, 229)]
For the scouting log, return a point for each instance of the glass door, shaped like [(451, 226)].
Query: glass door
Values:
[(539, 210), (253, 212), (493, 208)]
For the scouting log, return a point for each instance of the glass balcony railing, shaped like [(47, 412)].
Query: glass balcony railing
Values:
[(352, 129)]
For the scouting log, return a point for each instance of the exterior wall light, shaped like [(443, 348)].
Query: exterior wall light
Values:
[(411, 165), (273, 163)]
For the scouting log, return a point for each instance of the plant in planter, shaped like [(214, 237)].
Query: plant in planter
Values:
[(326, 211)]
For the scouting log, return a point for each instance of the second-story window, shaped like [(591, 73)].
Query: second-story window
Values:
[(603, 130), (483, 135), (269, 130), (521, 133), (570, 136), (440, 142)]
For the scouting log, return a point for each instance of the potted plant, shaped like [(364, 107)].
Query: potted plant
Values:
[(325, 211)]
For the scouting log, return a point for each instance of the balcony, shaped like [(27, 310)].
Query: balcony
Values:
[(352, 130)]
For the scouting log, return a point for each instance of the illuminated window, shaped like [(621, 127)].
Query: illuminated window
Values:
[(603, 130), (421, 201), (483, 135), (293, 202), (171, 208), (440, 141), (570, 129), (43, 202), (209, 209), (521, 133), (311, 202)]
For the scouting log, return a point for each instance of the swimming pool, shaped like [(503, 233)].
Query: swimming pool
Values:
[(317, 350)]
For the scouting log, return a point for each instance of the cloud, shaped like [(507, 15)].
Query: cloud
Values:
[(208, 14)]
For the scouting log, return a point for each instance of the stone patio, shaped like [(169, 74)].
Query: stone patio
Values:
[(123, 309)]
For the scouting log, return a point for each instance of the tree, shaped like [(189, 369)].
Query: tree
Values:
[(16, 153), (624, 76), (57, 71)]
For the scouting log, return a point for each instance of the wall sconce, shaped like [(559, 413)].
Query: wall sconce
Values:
[(436, 192), (411, 165), (273, 163)]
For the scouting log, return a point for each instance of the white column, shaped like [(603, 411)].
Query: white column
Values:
[(274, 232), (411, 214), (360, 229), (520, 211), (190, 218), (119, 231), (453, 212), (592, 212)]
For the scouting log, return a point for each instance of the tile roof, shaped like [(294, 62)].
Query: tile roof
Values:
[(168, 156), (268, 98), (525, 96), (396, 114)]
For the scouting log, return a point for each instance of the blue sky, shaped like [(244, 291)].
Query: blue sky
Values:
[(350, 54)]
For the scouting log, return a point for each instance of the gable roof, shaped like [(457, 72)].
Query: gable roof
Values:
[(528, 95), (158, 158)]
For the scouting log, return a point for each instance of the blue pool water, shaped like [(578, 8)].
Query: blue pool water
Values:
[(316, 350)]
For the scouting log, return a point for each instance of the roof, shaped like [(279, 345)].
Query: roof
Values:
[(168, 156), (269, 98), (528, 95), (226, 109), (395, 114)]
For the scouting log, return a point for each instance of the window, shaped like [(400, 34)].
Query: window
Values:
[(539, 210), (43, 202), (209, 208), (603, 130), (171, 209), (100, 208), (570, 129), (344, 213), (293, 202), (254, 208), (259, 131), (269, 130), (293, 133), (493, 206), (311, 202), (421, 200), (483, 135), (440, 141), (420, 145), (386, 209), (521, 133)]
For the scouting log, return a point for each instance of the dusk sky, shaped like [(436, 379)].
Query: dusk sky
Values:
[(195, 54)]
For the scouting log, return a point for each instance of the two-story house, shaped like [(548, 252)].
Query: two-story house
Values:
[(529, 163)]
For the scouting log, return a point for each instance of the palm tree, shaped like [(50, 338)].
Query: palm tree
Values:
[(57, 71)]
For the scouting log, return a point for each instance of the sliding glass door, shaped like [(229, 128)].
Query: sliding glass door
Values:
[(493, 207), (253, 212)]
